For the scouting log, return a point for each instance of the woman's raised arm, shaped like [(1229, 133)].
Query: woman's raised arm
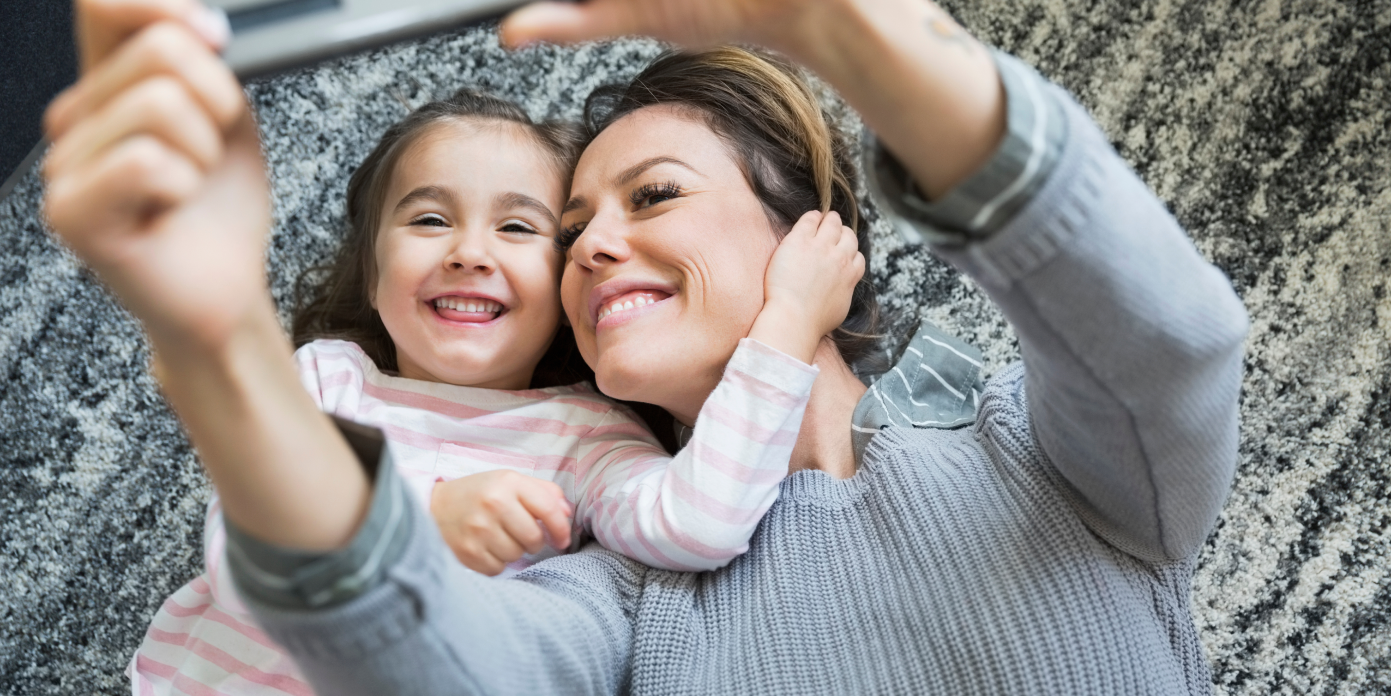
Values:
[(928, 89), (155, 179)]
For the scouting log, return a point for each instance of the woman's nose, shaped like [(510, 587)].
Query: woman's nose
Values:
[(604, 242), (469, 252)]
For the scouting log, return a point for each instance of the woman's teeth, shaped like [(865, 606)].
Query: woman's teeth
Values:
[(625, 305), (462, 305)]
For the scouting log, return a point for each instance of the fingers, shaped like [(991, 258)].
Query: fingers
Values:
[(158, 107), (164, 48), (545, 502), (807, 225), (137, 178), (563, 22), (102, 25)]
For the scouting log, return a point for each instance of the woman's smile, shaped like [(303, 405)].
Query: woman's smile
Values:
[(622, 300)]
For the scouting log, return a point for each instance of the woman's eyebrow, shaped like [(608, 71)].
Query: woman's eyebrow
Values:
[(574, 204), (427, 193), (512, 199), (636, 170)]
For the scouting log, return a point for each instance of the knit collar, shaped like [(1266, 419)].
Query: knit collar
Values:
[(935, 384)]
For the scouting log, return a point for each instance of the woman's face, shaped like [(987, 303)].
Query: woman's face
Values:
[(666, 274)]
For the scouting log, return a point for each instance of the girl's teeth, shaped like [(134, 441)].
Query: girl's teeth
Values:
[(463, 306)]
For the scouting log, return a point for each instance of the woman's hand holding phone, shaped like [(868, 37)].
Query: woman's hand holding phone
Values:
[(155, 179), (155, 176), (809, 284)]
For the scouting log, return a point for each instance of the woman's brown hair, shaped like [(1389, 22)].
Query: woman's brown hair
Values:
[(794, 161), (340, 304)]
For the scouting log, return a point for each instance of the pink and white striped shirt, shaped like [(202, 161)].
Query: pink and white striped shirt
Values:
[(694, 511)]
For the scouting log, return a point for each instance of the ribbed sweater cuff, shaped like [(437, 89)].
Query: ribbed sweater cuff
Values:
[(276, 576)]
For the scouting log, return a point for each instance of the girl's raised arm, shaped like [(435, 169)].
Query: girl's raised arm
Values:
[(155, 179)]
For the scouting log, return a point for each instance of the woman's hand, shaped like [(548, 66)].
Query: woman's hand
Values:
[(155, 179), (491, 519), (698, 23), (155, 176), (808, 286)]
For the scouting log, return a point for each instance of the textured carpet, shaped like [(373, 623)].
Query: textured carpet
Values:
[(1264, 125)]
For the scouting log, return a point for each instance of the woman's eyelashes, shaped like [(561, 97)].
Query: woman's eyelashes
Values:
[(649, 195), (569, 235)]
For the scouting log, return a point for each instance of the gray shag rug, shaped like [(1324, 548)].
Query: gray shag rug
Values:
[(1263, 125)]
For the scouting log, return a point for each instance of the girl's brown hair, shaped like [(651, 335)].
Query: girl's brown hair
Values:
[(340, 302), (794, 161)]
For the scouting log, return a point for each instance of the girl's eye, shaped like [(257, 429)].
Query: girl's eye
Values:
[(430, 221), (517, 226), (652, 194), (569, 235)]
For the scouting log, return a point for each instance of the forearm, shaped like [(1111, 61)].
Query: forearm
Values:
[(284, 474), (1132, 345), (391, 613), (927, 89)]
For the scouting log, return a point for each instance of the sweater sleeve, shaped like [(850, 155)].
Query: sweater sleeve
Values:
[(697, 510), (1132, 342), (394, 613)]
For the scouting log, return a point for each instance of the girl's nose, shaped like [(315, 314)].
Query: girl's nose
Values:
[(470, 252)]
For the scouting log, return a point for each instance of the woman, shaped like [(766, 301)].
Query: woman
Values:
[(1047, 549)]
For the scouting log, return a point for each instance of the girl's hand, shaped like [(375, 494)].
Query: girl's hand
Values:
[(491, 519), (808, 285), (155, 176)]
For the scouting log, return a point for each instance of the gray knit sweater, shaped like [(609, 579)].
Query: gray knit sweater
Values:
[(1045, 549)]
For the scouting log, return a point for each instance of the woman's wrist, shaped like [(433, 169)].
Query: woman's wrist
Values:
[(284, 473), (925, 86)]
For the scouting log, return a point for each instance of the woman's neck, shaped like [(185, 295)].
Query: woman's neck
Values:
[(824, 443)]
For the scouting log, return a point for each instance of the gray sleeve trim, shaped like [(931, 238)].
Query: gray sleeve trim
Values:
[(292, 579), (987, 200)]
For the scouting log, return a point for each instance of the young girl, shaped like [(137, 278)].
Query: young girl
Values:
[(437, 324)]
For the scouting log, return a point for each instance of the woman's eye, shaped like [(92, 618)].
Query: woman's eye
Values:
[(569, 235), (652, 194)]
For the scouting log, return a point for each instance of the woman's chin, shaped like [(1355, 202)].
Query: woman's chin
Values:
[(647, 379), (623, 384)]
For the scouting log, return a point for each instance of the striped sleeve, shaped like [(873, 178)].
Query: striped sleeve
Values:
[(696, 511), (333, 374)]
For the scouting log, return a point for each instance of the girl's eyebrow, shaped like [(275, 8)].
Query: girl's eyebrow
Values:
[(512, 199), (427, 193)]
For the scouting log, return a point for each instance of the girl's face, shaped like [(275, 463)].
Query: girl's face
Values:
[(666, 274), (467, 274)]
